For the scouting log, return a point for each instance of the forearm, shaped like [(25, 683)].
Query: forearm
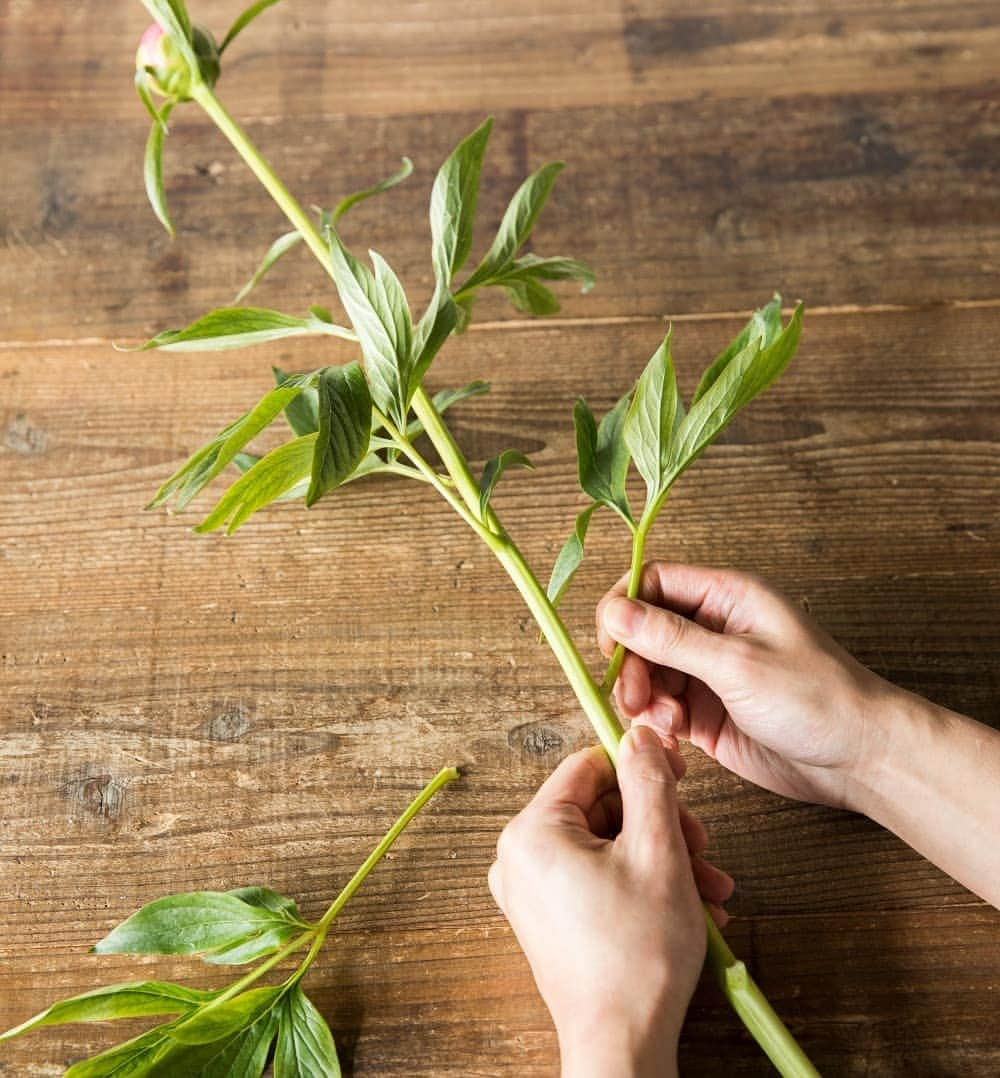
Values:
[(935, 782)]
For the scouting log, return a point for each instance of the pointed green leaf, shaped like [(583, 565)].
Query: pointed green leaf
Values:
[(376, 189), (377, 309), (267, 899), (764, 323), (392, 302), (242, 1054), (281, 246), (345, 427), (750, 371), (531, 297), (116, 1001), (445, 398), (555, 268), (224, 1018), (570, 557), (305, 1045), (199, 922), (244, 20), (522, 282), (240, 327), (453, 204), (495, 468), (272, 476), (518, 221), (302, 411), (430, 335), (204, 465), (153, 168), (260, 944), (652, 418), (136, 1058), (603, 456)]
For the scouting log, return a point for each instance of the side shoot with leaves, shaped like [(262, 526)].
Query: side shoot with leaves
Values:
[(230, 1032), (361, 419)]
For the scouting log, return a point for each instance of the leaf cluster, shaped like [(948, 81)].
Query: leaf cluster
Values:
[(218, 1034), (227, 1033), (356, 420), (651, 428)]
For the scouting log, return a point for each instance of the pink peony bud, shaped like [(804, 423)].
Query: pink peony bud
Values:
[(166, 70), (151, 52)]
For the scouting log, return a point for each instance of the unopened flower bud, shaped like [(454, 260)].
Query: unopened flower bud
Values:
[(168, 72)]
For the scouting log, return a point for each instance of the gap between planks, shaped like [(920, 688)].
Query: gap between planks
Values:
[(614, 320)]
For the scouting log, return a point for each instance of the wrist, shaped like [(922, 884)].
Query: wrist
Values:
[(900, 732), (625, 1048)]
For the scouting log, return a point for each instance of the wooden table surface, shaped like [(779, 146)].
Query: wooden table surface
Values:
[(182, 713)]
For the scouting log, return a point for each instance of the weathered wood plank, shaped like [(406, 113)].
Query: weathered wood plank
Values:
[(840, 184), (181, 712), (312, 56)]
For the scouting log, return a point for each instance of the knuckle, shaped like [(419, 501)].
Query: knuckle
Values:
[(495, 880), (656, 776), (743, 660), (668, 631), (513, 838), (506, 842), (649, 581)]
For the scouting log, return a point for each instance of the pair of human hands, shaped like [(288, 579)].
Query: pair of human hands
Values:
[(602, 876)]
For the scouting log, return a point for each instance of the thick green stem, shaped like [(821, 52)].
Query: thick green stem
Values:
[(451, 456), (742, 993), (594, 703), (750, 1003)]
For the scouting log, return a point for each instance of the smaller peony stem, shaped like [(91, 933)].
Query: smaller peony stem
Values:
[(442, 778)]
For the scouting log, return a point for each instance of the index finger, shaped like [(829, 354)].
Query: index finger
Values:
[(717, 599)]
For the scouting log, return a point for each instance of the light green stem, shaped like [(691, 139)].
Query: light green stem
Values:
[(258, 971), (318, 933), (742, 993), (426, 472), (262, 170), (632, 590), (442, 778)]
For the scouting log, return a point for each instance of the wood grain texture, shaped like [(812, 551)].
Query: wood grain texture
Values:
[(180, 712)]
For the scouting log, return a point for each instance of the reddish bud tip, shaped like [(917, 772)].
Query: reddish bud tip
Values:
[(151, 52)]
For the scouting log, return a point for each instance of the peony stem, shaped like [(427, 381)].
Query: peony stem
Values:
[(739, 988)]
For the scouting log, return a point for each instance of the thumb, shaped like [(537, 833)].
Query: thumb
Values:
[(651, 826), (666, 638)]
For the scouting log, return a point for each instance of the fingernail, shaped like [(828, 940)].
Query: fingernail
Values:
[(643, 739), (623, 618)]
